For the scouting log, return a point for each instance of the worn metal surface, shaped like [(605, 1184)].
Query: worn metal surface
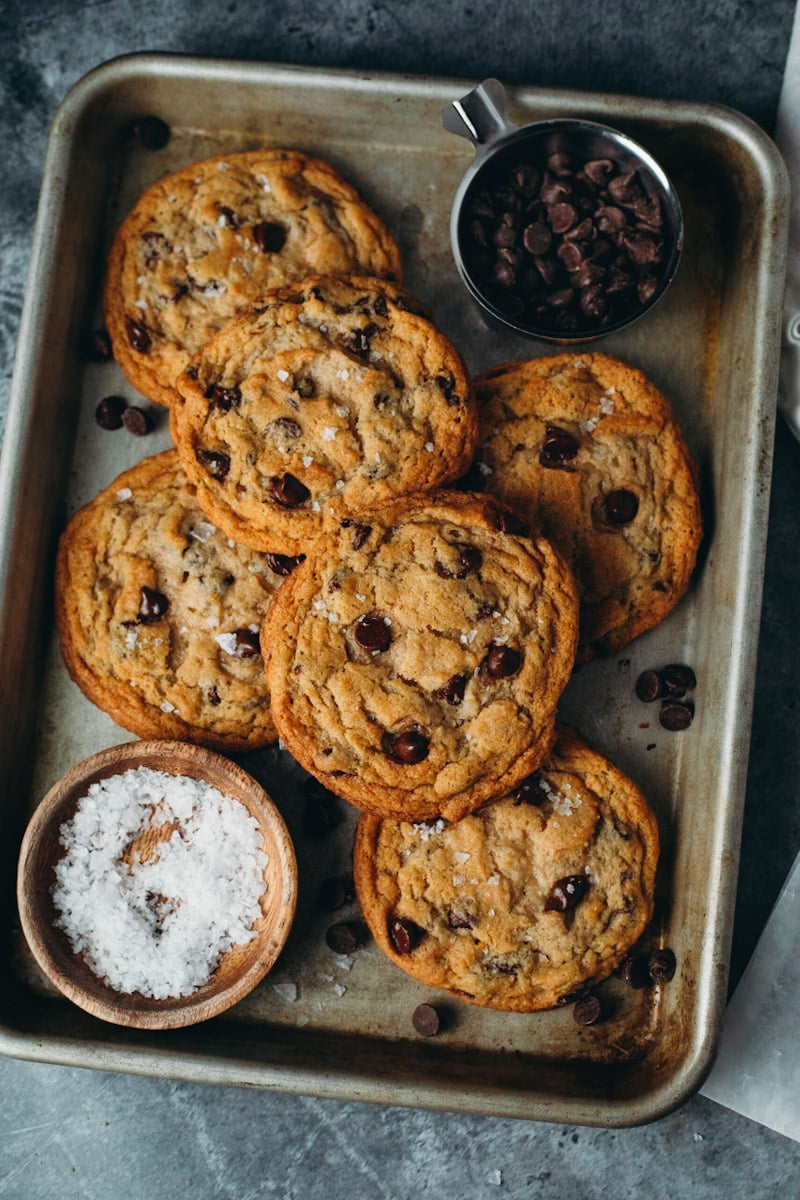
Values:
[(712, 347)]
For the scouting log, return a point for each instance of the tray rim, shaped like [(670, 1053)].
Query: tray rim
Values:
[(207, 1068)]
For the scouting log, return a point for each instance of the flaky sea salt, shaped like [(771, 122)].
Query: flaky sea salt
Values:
[(158, 926)]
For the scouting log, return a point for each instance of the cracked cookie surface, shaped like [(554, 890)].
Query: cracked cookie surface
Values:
[(416, 664), (587, 448), (158, 612), (202, 243), (334, 396), (524, 902)]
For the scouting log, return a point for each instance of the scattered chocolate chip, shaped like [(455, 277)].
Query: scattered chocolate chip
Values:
[(453, 691), (269, 236), (678, 679), (335, 893), (343, 938), (98, 346), (408, 747), (321, 813), (633, 971), (675, 715), (587, 1010), (213, 696), (425, 1020), (137, 420), (284, 564), (246, 643), (502, 661), (404, 934), (138, 336), (661, 965), (509, 522), (566, 893), (288, 490), (459, 920), (372, 633), (357, 340), (360, 532), (152, 133), (223, 398), (153, 605), (649, 686), (558, 447), (215, 462), (288, 425), (108, 413), (468, 558)]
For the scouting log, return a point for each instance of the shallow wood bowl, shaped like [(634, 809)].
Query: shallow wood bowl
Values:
[(238, 972)]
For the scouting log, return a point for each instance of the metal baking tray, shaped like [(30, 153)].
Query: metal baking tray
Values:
[(322, 1024)]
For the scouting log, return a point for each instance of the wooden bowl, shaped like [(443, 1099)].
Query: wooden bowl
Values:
[(239, 970)]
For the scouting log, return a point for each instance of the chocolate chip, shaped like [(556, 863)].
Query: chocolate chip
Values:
[(215, 462), (558, 447), (588, 1010), (343, 938), (153, 605), (357, 340), (223, 398), (404, 934), (425, 1020), (649, 686), (509, 522), (620, 506), (288, 425), (98, 346), (288, 490), (246, 643), (468, 558), (321, 813), (269, 236), (678, 679), (502, 661), (359, 535), (453, 691), (537, 238), (530, 791), (633, 971), (284, 564), (108, 413), (566, 893), (152, 133), (372, 633), (408, 747), (661, 965), (137, 420), (138, 336), (459, 920), (335, 893), (675, 715), (305, 387)]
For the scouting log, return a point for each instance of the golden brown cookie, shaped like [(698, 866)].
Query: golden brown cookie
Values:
[(416, 664), (203, 242), (333, 396), (525, 902), (158, 612), (587, 448)]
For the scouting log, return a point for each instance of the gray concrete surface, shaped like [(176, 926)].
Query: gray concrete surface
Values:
[(67, 1132)]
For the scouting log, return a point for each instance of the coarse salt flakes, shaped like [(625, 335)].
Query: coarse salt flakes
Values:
[(124, 494), (283, 375), (158, 926), (329, 433)]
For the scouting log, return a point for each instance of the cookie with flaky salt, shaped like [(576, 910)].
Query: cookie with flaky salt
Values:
[(525, 902), (328, 398), (201, 243), (586, 447), (415, 665), (158, 612)]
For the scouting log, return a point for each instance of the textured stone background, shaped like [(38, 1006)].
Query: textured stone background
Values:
[(70, 1133)]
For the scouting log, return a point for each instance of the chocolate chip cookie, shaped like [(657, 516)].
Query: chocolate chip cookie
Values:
[(203, 242), (330, 397), (159, 613), (416, 664), (525, 902), (586, 447)]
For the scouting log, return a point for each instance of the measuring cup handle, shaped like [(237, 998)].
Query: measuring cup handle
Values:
[(480, 115)]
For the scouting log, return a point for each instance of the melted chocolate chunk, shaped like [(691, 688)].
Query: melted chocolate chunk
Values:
[(558, 447), (215, 462), (246, 643), (372, 633), (284, 564), (153, 606), (404, 934), (502, 662), (530, 791), (269, 236), (620, 506), (469, 559), (453, 691), (138, 336), (409, 747), (223, 398), (566, 893), (288, 490)]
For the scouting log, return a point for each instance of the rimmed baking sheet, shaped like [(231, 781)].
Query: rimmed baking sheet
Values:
[(338, 1026)]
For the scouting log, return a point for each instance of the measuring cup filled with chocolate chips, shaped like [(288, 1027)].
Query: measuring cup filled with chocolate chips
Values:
[(564, 230)]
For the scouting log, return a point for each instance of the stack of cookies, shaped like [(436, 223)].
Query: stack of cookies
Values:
[(394, 568)]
